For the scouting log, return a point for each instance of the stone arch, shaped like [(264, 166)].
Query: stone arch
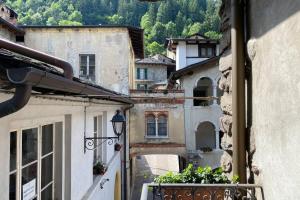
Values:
[(206, 136), (203, 88), (117, 190)]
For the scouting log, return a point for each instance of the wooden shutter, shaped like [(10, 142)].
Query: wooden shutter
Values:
[(138, 73)]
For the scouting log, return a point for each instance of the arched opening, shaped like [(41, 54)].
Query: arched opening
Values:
[(203, 89), (117, 190), (146, 167), (205, 136)]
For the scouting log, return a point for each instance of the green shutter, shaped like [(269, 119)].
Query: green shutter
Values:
[(146, 73), (138, 73)]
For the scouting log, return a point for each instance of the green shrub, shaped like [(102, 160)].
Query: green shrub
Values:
[(200, 175)]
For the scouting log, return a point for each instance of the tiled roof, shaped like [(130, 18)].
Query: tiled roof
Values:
[(156, 60)]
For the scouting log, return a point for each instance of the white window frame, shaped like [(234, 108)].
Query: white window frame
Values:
[(87, 75), (156, 127), (19, 165), (98, 151)]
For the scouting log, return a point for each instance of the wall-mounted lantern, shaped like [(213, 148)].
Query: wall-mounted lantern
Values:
[(118, 122)]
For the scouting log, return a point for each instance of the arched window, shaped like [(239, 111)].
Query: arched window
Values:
[(151, 125), (162, 125), (205, 136), (203, 89)]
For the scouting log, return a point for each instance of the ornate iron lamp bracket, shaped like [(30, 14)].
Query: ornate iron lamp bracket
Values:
[(91, 143)]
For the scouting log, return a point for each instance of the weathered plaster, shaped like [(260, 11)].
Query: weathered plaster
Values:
[(111, 46)]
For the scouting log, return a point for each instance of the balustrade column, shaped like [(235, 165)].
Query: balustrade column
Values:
[(215, 93)]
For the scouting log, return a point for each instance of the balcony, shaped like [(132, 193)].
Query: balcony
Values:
[(202, 192)]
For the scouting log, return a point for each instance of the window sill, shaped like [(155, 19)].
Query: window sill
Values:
[(209, 152), (156, 137)]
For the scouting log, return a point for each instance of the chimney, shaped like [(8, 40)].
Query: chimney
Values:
[(8, 14)]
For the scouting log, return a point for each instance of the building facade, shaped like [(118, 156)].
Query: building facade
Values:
[(153, 72), (191, 50), (48, 154), (105, 55), (198, 76)]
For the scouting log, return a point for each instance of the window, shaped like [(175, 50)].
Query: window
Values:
[(142, 86), (157, 125), (142, 74), (207, 51), (97, 130), (32, 163), (19, 38), (151, 125), (162, 126), (87, 67)]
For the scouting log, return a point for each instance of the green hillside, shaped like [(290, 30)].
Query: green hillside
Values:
[(166, 18)]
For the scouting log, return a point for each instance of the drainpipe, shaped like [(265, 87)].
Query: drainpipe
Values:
[(125, 156), (23, 91), (37, 55), (238, 91), (18, 101)]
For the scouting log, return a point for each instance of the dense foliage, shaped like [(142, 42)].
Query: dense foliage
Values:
[(167, 18), (200, 175)]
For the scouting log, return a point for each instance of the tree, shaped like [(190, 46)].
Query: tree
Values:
[(154, 48), (168, 18)]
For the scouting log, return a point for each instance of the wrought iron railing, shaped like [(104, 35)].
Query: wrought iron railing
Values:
[(202, 192)]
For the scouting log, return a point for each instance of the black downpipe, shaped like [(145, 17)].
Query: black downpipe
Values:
[(23, 91), (18, 101)]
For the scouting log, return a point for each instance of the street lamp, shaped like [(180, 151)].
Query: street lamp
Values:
[(118, 122)]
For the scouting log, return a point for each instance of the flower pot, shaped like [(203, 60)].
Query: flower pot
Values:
[(118, 147), (185, 193)]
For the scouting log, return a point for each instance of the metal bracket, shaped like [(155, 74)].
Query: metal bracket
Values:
[(91, 143)]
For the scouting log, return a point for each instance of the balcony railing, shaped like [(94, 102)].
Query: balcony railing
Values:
[(202, 192)]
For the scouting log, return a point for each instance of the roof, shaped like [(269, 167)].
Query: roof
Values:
[(171, 43), (136, 34), (11, 27), (157, 60), (190, 68), (10, 60)]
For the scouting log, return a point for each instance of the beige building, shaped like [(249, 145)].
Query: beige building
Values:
[(156, 123), (103, 55), (153, 72)]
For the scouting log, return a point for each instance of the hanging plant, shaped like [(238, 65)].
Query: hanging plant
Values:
[(118, 147), (99, 168)]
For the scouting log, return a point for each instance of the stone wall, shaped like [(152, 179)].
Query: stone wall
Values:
[(226, 85), (272, 92)]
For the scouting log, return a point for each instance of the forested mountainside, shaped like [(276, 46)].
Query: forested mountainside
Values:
[(166, 18)]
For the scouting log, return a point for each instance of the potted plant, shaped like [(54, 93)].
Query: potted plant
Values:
[(99, 168), (118, 147), (198, 176)]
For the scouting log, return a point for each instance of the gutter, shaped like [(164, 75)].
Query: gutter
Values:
[(38, 55), (23, 91), (238, 90), (43, 79), (125, 156)]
